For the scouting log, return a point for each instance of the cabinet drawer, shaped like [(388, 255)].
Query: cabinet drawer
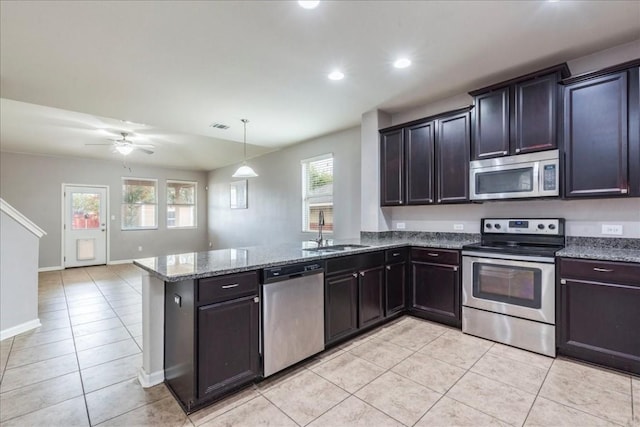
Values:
[(600, 271), (392, 256), (436, 256), (215, 289)]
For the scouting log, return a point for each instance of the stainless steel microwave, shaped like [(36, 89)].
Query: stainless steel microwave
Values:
[(513, 177)]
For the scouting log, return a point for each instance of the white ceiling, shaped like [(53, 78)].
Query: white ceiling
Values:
[(179, 66)]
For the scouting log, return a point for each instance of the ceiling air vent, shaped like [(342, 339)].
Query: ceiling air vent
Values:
[(219, 126)]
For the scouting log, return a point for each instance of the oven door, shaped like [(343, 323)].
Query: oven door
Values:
[(518, 288)]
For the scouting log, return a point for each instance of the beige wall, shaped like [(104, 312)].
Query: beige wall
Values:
[(33, 185), (274, 213)]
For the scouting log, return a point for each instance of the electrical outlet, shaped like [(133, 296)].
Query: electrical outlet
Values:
[(458, 227), (615, 229), (113, 217), (401, 225), (139, 248)]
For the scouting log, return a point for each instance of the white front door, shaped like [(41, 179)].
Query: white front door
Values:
[(85, 225)]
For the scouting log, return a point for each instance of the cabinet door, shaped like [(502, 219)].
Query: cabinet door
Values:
[(436, 292), (452, 150), (341, 306), (370, 302), (420, 162), (536, 112), (598, 322), (392, 168), (595, 137), (491, 124), (395, 283), (228, 341)]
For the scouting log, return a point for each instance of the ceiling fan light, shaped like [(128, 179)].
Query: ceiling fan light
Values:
[(124, 149), (245, 171)]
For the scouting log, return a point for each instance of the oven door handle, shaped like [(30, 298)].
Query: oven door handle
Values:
[(509, 257)]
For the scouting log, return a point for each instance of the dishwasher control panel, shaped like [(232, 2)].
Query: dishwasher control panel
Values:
[(273, 274)]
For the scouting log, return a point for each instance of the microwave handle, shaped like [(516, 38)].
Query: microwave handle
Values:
[(539, 185)]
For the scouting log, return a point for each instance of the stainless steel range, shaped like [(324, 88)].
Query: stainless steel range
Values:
[(508, 282)]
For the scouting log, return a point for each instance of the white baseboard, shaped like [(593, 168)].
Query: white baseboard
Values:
[(121, 261), (149, 380), (54, 268), (23, 327)]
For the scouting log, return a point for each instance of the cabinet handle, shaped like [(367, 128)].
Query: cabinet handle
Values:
[(624, 191), (355, 274), (256, 300), (388, 267), (517, 150), (432, 254), (602, 270), (455, 268), (362, 274), (396, 254), (563, 282), (235, 285)]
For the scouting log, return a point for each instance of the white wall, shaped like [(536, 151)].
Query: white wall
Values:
[(33, 185), (584, 217), (274, 213), (18, 278)]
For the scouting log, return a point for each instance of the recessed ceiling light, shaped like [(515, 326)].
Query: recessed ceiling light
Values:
[(309, 4), (402, 63), (336, 75)]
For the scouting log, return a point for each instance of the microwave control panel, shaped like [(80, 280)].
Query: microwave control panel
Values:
[(549, 177)]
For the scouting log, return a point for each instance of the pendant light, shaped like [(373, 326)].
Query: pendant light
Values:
[(245, 170)]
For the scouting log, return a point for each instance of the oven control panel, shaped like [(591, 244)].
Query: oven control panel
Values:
[(544, 226)]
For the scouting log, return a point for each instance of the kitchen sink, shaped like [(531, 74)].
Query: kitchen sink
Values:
[(335, 248)]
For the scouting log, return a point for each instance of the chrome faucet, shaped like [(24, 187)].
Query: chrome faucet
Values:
[(320, 225)]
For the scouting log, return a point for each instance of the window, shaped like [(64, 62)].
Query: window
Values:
[(181, 204), (139, 203), (317, 192)]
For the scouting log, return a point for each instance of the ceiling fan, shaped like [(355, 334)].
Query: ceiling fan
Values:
[(125, 146)]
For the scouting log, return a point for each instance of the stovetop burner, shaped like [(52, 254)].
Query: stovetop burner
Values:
[(531, 237)]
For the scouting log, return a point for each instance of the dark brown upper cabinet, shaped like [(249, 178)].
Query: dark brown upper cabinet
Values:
[(601, 134), (435, 166), (420, 143), (518, 116), (452, 154), (392, 180)]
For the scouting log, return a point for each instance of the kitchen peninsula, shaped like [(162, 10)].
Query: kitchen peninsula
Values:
[(415, 273)]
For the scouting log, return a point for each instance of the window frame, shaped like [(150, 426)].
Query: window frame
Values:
[(195, 204), (308, 201), (123, 204)]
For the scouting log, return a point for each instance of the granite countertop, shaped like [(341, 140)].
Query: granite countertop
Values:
[(605, 249), (195, 265)]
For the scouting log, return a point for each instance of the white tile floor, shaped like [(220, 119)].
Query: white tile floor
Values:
[(80, 368)]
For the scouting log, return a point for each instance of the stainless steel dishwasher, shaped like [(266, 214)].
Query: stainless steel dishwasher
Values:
[(292, 314)]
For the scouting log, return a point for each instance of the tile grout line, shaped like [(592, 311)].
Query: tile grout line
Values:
[(84, 394)]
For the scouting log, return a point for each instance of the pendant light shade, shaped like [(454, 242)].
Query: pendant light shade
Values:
[(245, 170)]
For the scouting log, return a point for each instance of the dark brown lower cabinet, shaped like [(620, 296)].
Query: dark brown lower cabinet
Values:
[(370, 286), (599, 312), (395, 281), (436, 286), (212, 337), (341, 306), (354, 290), (228, 340)]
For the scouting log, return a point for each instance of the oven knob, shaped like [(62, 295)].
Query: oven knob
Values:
[(541, 226), (552, 227), (487, 225), (497, 226)]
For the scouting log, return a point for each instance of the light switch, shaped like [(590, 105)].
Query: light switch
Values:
[(401, 225)]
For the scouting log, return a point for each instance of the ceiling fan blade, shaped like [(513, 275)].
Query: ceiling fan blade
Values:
[(100, 143), (144, 150), (143, 145)]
